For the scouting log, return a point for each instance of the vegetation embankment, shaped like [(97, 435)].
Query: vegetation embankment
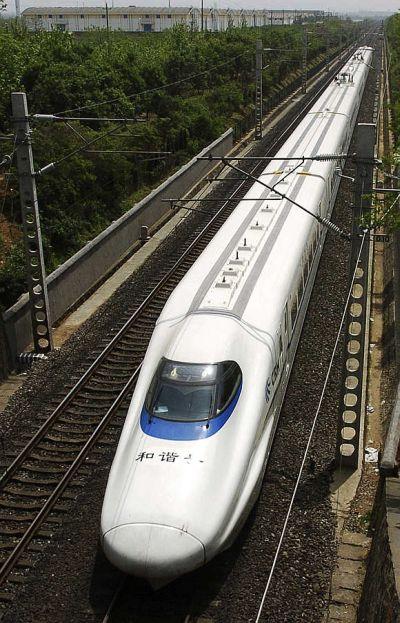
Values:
[(384, 212), (61, 72), (393, 41)]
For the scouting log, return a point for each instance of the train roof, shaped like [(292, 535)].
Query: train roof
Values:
[(264, 239)]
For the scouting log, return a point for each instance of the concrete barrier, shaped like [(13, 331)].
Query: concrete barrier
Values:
[(389, 462), (71, 281), (4, 359), (380, 596)]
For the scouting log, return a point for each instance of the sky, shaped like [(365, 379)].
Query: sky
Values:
[(338, 6)]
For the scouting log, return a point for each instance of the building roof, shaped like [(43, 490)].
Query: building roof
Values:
[(137, 10), (49, 10)]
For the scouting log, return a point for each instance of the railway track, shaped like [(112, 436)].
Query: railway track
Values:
[(44, 476)]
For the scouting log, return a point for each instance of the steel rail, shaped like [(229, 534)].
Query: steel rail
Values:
[(53, 498)]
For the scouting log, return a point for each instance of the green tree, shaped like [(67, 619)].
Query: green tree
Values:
[(127, 76)]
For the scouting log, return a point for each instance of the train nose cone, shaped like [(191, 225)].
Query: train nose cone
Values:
[(152, 551)]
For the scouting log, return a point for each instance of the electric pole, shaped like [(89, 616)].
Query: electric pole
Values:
[(107, 22), (36, 273), (350, 431), (305, 46), (259, 91)]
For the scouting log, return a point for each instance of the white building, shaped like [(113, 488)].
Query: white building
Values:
[(156, 19)]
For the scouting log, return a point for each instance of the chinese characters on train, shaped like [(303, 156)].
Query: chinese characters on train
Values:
[(168, 457)]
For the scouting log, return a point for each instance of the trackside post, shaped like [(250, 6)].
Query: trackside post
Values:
[(36, 273)]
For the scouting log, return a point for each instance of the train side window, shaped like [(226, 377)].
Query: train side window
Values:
[(300, 287), (313, 244), (306, 267), (310, 257), (304, 276), (230, 378), (293, 311)]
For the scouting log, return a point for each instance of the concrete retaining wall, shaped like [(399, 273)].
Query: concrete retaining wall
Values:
[(4, 360), (78, 275), (380, 598)]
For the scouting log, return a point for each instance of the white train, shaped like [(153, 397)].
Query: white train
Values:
[(194, 447)]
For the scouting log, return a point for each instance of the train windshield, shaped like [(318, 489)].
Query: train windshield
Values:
[(192, 392)]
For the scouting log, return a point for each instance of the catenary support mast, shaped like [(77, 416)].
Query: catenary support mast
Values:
[(36, 274)]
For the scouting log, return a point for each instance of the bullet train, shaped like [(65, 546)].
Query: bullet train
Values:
[(194, 447)]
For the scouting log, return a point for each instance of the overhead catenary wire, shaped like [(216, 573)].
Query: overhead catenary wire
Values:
[(52, 165), (324, 221), (155, 89), (386, 85), (127, 151), (392, 176), (381, 219), (75, 131), (55, 117), (300, 473), (40, 117), (8, 174)]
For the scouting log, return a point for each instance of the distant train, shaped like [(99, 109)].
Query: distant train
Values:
[(193, 451)]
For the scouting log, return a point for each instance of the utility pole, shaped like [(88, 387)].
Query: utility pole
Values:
[(36, 273), (328, 45), (202, 15), (350, 432), (305, 46), (396, 288), (259, 91), (107, 22)]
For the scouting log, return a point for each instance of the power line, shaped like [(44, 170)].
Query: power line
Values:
[(386, 78), (155, 89), (381, 219), (41, 117), (258, 618), (8, 174), (128, 151), (52, 165), (393, 177), (321, 219)]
